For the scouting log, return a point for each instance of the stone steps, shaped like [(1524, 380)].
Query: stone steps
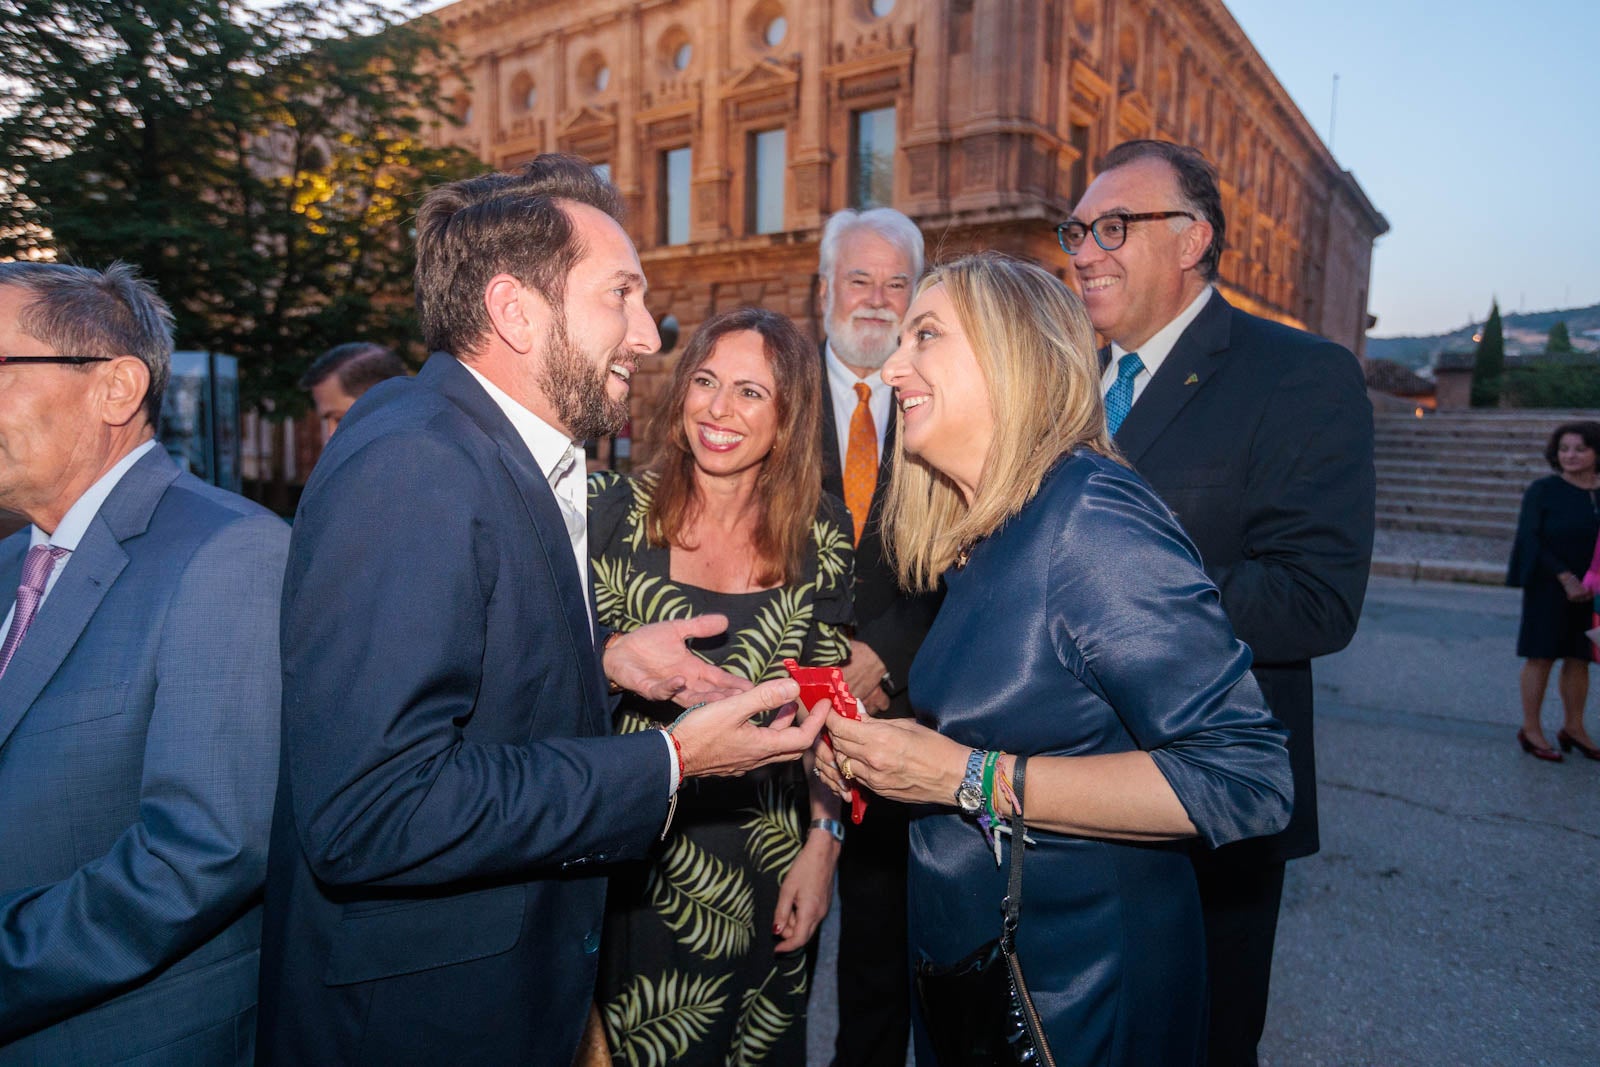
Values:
[(1457, 467), (1415, 497), (1460, 474), (1429, 522)]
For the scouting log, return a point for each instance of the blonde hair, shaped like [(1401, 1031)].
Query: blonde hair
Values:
[(1035, 348)]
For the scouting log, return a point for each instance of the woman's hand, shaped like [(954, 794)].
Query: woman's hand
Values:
[(895, 758), (806, 892), (1573, 587)]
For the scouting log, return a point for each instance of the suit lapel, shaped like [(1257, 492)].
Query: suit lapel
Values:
[(1181, 377), (452, 380), (886, 461), (832, 463), (88, 576)]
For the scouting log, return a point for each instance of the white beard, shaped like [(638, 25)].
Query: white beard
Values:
[(864, 344)]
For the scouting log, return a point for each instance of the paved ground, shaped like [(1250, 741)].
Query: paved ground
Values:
[(1453, 915)]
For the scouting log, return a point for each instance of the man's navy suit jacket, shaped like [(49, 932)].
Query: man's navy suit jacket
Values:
[(1259, 438), (448, 791), (138, 752)]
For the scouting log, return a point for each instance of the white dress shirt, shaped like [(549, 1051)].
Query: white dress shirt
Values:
[(74, 524), (842, 390), (560, 460), (1154, 351)]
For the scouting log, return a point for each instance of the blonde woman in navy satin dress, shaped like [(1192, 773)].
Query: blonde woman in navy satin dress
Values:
[(1078, 629)]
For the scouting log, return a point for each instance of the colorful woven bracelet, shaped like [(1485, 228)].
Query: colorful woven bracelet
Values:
[(991, 760)]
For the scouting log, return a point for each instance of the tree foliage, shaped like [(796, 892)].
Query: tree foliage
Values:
[(1553, 383), (1489, 362), (259, 166), (1560, 340)]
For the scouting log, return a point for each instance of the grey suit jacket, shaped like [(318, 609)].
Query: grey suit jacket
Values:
[(138, 755)]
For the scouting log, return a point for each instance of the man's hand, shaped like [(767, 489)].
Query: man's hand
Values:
[(655, 662), (862, 673), (719, 739)]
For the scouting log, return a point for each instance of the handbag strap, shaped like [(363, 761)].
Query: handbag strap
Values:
[(1012, 905)]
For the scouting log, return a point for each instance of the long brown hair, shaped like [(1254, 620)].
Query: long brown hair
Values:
[(789, 485), (1033, 342)]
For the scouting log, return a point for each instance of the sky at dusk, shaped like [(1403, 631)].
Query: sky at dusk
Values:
[(1473, 126)]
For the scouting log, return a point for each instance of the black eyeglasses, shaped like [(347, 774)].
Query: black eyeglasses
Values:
[(1110, 231), (75, 361)]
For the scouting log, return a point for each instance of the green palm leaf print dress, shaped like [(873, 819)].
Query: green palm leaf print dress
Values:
[(688, 974)]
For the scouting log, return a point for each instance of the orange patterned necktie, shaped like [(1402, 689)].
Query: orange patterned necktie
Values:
[(861, 460)]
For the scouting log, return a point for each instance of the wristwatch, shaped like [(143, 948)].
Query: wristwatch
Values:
[(969, 794)]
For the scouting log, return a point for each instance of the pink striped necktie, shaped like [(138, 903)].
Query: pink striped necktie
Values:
[(36, 568)]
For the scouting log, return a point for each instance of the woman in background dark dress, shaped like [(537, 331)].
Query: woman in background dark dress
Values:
[(1077, 628), (1556, 534)]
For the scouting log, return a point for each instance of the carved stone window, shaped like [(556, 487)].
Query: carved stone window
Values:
[(675, 50), (524, 93), (872, 148), (676, 164), (594, 74), (768, 25), (766, 164)]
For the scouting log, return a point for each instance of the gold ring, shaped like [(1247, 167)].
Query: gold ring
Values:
[(845, 768)]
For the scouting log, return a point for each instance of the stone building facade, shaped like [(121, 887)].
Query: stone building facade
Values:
[(734, 127)]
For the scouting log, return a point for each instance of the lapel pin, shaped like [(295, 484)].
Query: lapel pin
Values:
[(1193, 379)]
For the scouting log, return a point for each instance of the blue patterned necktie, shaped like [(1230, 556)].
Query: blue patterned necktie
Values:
[(1119, 398)]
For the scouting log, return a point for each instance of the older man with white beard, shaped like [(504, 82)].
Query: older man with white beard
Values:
[(869, 262)]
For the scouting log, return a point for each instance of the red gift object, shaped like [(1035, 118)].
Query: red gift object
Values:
[(827, 683)]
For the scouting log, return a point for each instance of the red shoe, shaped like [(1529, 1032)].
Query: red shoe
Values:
[(1568, 743), (1539, 751)]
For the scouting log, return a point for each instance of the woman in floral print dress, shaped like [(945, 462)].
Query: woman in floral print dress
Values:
[(704, 957)]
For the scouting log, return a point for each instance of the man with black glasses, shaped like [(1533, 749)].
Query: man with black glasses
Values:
[(1259, 437)]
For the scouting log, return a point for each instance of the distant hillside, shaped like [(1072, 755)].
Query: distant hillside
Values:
[(1525, 336)]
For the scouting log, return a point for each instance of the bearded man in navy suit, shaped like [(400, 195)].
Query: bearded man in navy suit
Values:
[(1259, 438), (450, 796), (139, 684)]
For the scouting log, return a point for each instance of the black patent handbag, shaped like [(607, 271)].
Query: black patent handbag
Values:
[(978, 1012)]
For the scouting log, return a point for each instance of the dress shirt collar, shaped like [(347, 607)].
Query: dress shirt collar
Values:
[(1155, 351), (75, 523), (552, 450)]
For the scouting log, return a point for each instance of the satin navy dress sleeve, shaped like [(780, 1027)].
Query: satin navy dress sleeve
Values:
[(1086, 625)]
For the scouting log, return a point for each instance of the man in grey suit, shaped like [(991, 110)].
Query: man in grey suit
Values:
[(139, 692)]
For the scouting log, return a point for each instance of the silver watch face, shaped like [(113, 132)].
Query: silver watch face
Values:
[(969, 798)]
